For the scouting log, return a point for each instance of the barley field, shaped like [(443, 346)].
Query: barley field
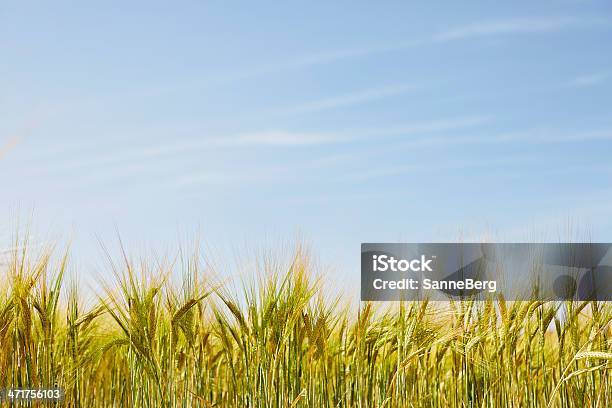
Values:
[(165, 334)]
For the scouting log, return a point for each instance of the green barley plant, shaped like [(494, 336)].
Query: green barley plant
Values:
[(164, 334)]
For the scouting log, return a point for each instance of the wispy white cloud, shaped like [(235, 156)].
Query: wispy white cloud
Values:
[(279, 138), (351, 99), (548, 136), (529, 136), (439, 125), (518, 26), (233, 176), (397, 170), (290, 138), (113, 164), (208, 178), (267, 138), (444, 133), (495, 27), (450, 141), (272, 138), (588, 80)]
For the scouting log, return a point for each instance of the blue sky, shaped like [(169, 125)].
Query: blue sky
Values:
[(341, 123)]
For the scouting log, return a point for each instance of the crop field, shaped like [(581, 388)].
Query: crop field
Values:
[(164, 334)]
